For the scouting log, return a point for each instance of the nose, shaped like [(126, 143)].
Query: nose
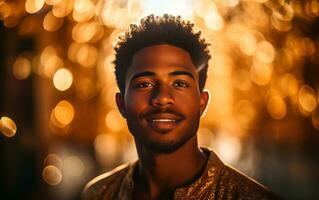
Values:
[(162, 97)]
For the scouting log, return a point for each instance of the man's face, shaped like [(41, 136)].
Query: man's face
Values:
[(162, 102)]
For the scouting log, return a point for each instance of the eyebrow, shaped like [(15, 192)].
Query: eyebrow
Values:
[(174, 73)]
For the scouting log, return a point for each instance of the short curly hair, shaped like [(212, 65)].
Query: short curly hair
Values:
[(155, 30)]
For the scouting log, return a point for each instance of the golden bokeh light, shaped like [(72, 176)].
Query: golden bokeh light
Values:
[(83, 10), (52, 175), (228, 147), (73, 166), (106, 148), (245, 113), (50, 62), (307, 98), (289, 85), (33, 6), (52, 2), (248, 44), (7, 127), (260, 73), (62, 79), (73, 51), (22, 68), (53, 159), (114, 120), (63, 113), (5, 10), (62, 8), (52, 23), (87, 55), (265, 52), (241, 79), (276, 107), (214, 21)]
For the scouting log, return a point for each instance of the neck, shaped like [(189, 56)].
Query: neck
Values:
[(161, 173)]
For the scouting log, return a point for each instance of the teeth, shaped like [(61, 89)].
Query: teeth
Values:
[(163, 120)]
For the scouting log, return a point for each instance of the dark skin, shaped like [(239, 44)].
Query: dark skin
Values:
[(163, 104)]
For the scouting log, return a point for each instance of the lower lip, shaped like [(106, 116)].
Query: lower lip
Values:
[(163, 127)]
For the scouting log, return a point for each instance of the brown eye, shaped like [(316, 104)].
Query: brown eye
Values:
[(180, 84), (144, 85)]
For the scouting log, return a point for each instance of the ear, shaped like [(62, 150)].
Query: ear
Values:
[(204, 99), (119, 98)]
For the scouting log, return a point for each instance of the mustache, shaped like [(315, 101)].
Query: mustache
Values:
[(162, 110)]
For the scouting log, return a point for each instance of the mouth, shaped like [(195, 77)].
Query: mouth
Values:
[(164, 122)]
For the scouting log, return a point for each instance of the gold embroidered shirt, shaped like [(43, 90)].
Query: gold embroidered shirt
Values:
[(218, 181)]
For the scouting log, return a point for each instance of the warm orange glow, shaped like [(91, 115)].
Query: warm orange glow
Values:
[(242, 79), (52, 175), (62, 79), (73, 166), (5, 10), (106, 148), (276, 107), (83, 10), (247, 44), (62, 8), (52, 2), (307, 98), (265, 52), (214, 21), (53, 159), (22, 68), (33, 6), (245, 113), (49, 62), (260, 73), (87, 55), (52, 23), (7, 127), (114, 120), (64, 113)]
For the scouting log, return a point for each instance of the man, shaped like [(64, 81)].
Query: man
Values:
[(161, 68)]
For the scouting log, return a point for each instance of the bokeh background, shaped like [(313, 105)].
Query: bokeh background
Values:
[(59, 122)]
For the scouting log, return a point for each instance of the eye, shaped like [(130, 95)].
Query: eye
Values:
[(180, 84), (143, 85)]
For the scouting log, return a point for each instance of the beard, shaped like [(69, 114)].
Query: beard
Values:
[(142, 138)]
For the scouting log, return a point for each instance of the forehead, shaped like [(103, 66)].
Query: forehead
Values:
[(161, 59)]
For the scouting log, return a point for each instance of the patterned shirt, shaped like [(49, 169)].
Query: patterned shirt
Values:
[(218, 181)]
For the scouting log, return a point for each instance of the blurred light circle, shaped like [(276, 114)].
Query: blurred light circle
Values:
[(261, 73), (62, 79), (52, 23), (64, 112), (87, 55), (114, 120), (307, 98), (7, 127), (62, 8), (52, 175), (53, 159), (22, 68), (265, 52), (276, 107), (52, 2), (73, 166), (33, 6)]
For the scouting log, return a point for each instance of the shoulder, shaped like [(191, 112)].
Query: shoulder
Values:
[(243, 186), (105, 184)]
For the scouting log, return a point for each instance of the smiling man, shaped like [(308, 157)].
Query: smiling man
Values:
[(161, 70)]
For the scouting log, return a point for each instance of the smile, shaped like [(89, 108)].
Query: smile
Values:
[(163, 122)]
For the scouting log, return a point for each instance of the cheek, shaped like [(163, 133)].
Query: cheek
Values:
[(135, 103)]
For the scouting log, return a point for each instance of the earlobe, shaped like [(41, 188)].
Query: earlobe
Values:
[(204, 101), (120, 103)]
